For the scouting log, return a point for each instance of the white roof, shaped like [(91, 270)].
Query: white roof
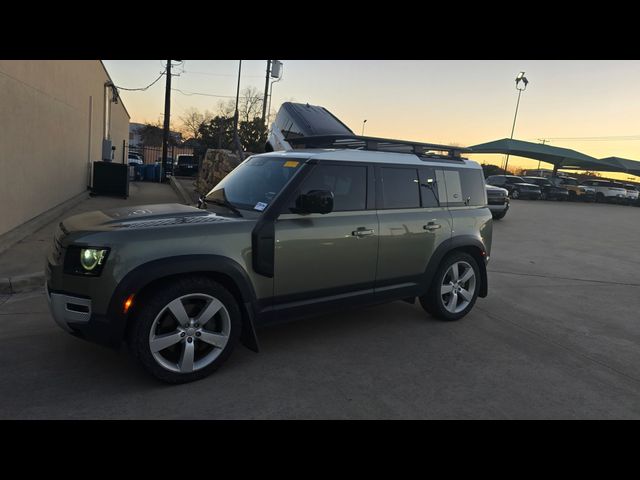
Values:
[(373, 156)]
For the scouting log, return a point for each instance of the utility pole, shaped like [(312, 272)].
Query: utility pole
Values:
[(236, 137), (543, 141), (266, 93), (167, 113)]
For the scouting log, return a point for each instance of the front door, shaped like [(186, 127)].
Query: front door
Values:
[(332, 257)]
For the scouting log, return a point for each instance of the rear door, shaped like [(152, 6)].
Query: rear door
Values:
[(413, 223)]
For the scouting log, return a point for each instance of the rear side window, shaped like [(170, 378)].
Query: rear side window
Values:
[(400, 188), (429, 188)]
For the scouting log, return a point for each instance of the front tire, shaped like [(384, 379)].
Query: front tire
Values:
[(454, 289), (185, 330)]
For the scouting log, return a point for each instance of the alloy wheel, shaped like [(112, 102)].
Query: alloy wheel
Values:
[(458, 287), (189, 333)]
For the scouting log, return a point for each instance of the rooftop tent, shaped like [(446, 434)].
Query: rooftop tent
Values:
[(559, 157)]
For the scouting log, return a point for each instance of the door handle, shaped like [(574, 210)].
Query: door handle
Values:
[(362, 232), (431, 226)]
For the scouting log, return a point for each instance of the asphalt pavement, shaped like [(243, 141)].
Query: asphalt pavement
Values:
[(557, 338)]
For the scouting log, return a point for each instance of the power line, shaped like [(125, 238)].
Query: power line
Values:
[(187, 93), (144, 88), (598, 139), (220, 74)]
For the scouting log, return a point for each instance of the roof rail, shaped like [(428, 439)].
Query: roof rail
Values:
[(378, 144)]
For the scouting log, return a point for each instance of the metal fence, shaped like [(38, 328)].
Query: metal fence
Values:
[(152, 155)]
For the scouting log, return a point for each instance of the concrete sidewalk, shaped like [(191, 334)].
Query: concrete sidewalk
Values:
[(22, 265)]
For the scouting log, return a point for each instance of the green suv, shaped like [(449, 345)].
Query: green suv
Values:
[(334, 223)]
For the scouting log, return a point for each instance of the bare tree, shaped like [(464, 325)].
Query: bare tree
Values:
[(249, 105), (191, 121)]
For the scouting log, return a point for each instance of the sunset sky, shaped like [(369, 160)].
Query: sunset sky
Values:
[(590, 106)]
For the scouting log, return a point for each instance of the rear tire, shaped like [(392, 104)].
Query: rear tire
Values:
[(600, 197), (197, 319), (448, 299), (515, 194)]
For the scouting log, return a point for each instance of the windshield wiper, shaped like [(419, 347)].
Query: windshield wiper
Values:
[(224, 203)]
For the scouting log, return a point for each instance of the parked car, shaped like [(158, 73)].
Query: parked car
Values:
[(516, 186), (286, 234), (548, 190), (186, 165), (608, 190), (632, 193), (135, 159), (576, 191), (497, 201)]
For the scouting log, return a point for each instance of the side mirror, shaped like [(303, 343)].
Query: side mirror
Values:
[(315, 201)]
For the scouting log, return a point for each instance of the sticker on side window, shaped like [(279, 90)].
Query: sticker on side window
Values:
[(290, 164), (260, 206)]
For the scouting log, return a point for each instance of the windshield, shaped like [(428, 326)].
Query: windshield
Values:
[(254, 183)]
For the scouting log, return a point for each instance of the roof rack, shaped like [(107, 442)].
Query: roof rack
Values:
[(378, 144)]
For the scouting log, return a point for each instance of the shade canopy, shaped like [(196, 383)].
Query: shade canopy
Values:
[(559, 157), (630, 166)]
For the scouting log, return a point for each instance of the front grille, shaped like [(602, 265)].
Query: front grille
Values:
[(58, 249)]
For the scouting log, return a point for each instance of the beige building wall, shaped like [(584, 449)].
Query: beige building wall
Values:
[(48, 136)]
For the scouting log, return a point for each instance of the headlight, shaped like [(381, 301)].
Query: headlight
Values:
[(85, 261), (90, 258)]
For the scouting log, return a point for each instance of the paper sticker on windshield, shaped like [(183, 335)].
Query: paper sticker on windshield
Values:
[(260, 206), (291, 164)]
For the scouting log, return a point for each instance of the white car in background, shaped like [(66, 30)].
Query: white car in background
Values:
[(632, 193), (608, 190), (135, 159)]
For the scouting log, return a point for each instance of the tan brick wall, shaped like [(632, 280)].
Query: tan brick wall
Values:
[(44, 133)]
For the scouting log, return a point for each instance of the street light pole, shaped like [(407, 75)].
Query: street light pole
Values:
[(363, 127), (525, 82)]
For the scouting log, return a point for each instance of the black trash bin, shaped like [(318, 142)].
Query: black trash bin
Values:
[(110, 179)]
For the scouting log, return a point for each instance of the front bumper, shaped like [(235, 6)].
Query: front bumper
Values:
[(68, 310)]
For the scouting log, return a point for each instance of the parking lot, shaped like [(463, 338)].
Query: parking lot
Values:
[(557, 337)]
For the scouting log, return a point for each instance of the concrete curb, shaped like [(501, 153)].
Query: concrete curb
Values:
[(22, 283), (186, 198)]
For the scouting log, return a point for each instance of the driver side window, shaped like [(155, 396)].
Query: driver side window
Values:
[(348, 184)]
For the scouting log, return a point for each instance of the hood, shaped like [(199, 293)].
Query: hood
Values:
[(494, 189), (143, 216)]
